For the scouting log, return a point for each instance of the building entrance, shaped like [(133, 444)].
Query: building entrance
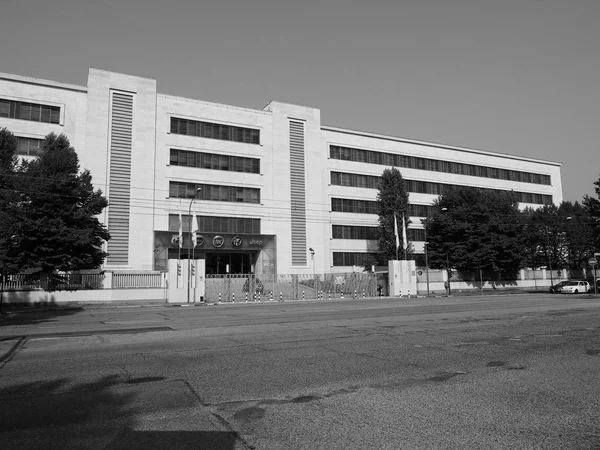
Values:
[(218, 263)]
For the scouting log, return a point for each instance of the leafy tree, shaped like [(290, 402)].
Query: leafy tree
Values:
[(592, 206), (8, 172), (392, 201), (56, 227), (475, 229)]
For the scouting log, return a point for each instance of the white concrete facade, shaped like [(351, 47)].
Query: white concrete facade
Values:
[(86, 117)]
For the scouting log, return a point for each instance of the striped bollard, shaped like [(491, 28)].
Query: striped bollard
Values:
[(219, 297), (259, 297), (246, 297), (280, 296), (302, 295), (329, 295), (342, 294), (364, 295), (271, 298), (233, 298), (354, 294)]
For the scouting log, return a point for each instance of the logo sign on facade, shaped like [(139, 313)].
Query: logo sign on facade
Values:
[(218, 241), (175, 239), (237, 241), (199, 240), (256, 242)]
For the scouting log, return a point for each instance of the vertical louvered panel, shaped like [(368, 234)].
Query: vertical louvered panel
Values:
[(121, 125), (298, 193)]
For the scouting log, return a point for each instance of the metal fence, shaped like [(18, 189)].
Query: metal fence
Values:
[(137, 280), (53, 282), (229, 288)]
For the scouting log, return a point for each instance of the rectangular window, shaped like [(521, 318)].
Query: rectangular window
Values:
[(214, 161), (413, 162), (28, 146), (29, 111), (415, 186), (354, 232), (351, 258), (214, 192), (216, 224), (214, 131)]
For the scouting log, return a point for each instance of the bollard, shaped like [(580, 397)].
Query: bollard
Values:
[(219, 297), (329, 295), (259, 297), (342, 294), (254, 297), (355, 294), (302, 295), (246, 297), (271, 299), (364, 295), (280, 296), (233, 298)]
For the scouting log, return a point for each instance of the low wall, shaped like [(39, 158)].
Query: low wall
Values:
[(132, 295)]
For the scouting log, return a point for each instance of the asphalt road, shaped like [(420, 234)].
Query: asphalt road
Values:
[(494, 372)]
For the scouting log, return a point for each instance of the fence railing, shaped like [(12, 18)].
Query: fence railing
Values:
[(227, 288), (124, 280)]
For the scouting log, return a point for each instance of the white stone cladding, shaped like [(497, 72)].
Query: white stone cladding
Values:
[(85, 119)]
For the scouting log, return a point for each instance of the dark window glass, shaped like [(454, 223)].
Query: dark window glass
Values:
[(28, 146), (389, 159), (214, 161), (415, 186), (214, 192), (29, 111), (214, 131), (351, 259)]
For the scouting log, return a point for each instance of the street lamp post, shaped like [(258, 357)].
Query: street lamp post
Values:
[(549, 257), (189, 275), (312, 256), (426, 261), (448, 273)]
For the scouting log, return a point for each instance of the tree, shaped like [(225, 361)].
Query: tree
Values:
[(592, 206), (475, 229), (8, 207), (56, 228), (392, 203)]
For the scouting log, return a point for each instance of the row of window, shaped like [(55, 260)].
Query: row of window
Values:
[(423, 187), (214, 131), (213, 161), (371, 233), (214, 192), (358, 258), (414, 162), (216, 224), (28, 146), (352, 258), (29, 111)]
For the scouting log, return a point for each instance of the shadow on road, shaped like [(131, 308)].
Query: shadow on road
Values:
[(29, 315), (106, 413)]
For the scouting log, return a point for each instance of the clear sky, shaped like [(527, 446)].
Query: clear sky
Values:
[(509, 76)]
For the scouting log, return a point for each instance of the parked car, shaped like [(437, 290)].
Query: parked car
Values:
[(576, 287), (558, 286)]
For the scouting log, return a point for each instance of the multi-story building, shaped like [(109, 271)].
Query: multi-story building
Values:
[(255, 189)]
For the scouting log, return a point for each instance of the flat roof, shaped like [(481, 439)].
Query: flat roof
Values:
[(41, 82), (437, 145)]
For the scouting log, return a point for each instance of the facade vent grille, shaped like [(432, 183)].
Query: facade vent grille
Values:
[(121, 136), (298, 194)]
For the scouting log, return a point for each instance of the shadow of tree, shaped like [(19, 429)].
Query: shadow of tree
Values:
[(105, 413), (35, 313)]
